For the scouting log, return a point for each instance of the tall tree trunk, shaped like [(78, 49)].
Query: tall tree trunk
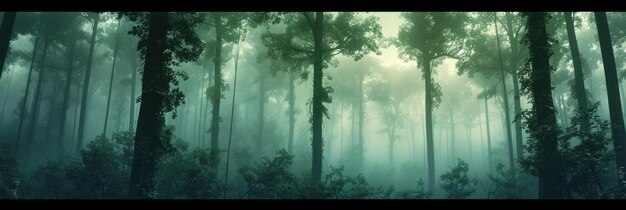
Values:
[(25, 99), (579, 80), (516, 91), (430, 150), (318, 91), (506, 99), (232, 109), (133, 87), (217, 84), (34, 113), (83, 110), (261, 119), (6, 96), (544, 120), (6, 29), (106, 115), (612, 84), (206, 105), (201, 117), (341, 136), (452, 132), (361, 163), (66, 98), (292, 112), (488, 135), (151, 122)]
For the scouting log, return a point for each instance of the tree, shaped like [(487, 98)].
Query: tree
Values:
[(390, 92), (115, 50), (456, 182), (6, 29), (541, 119), (581, 93), (225, 25), (612, 88), (94, 18), (424, 38), (165, 40), (344, 33)]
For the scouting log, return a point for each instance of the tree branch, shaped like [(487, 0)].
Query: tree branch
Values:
[(308, 20)]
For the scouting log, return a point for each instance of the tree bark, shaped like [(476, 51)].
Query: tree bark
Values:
[(579, 80), (488, 135), (429, 123), (6, 30), (66, 97), (507, 116), (516, 91), (316, 167), (106, 115), (544, 120), (292, 112), (83, 110), (151, 122), (34, 113), (133, 87), (217, 84), (28, 81), (612, 84)]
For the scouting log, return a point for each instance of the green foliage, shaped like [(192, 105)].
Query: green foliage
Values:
[(585, 157), (182, 45), (50, 180), (9, 178), (100, 174), (456, 182), (189, 174), (418, 193), (272, 178), (508, 184)]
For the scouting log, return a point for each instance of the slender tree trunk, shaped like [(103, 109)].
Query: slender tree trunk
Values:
[(151, 122), (612, 84), (25, 99), (452, 132), (318, 91), (133, 87), (506, 99), (106, 115), (292, 112), (83, 110), (6, 96), (206, 105), (341, 135), (201, 117), (361, 143), (66, 98), (516, 91), (6, 30), (215, 118), (34, 113), (75, 116), (430, 149), (488, 135), (261, 122), (232, 110), (579, 80), (544, 123)]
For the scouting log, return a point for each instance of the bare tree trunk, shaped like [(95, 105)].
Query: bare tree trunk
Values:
[(6, 30), (83, 109), (615, 110), (506, 100), (106, 115)]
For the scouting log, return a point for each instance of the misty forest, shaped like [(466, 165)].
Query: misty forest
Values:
[(321, 105)]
